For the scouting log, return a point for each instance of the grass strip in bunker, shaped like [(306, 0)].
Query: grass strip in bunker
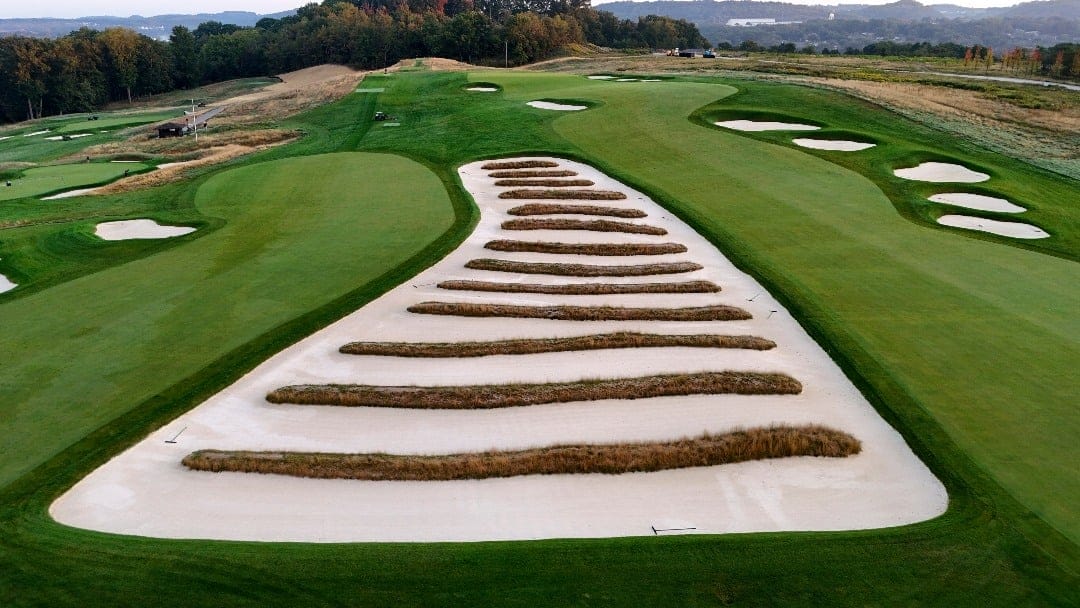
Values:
[(519, 164), (529, 346), (539, 173), (705, 450), (583, 289), (556, 209), (491, 396), (582, 270), (590, 225), (584, 195), (582, 313), (545, 183), (609, 249)]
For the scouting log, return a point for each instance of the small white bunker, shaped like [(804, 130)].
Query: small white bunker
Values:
[(941, 172), (977, 201), (138, 229), (1016, 230), (763, 125), (836, 145), (562, 107)]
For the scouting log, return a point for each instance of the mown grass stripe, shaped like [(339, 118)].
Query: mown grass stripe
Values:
[(489, 396), (706, 450), (528, 346)]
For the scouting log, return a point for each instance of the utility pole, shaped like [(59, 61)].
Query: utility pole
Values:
[(506, 53), (194, 121)]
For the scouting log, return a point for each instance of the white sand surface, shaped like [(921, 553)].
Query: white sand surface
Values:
[(838, 145), (601, 77), (6, 284), (36, 133), (626, 80), (75, 136), (146, 491), (125, 161), (758, 125), (3, 137), (941, 172), (1016, 230), (138, 229), (977, 201), (69, 194), (483, 89), (652, 80), (547, 105)]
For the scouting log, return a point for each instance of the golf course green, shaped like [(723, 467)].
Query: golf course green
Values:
[(966, 342)]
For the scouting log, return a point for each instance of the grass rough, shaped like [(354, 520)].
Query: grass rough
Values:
[(519, 164), (591, 225), (546, 183), (585, 195), (582, 270), (540, 173), (554, 209), (608, 249), (582, 313), (583, 289)]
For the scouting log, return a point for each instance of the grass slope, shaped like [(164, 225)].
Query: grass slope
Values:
[(38, 181)]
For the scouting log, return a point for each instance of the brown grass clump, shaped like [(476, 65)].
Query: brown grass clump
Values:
[(584, 195), (519, 164), (593, 225), (546, 183), (703, 451), (609, 249), (528, 346), (582, 313), (582, 270), (540, 173), (490, 396), (554, 209), (583, 289)]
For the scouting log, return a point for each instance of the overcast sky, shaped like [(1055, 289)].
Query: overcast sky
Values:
[(146, 8)]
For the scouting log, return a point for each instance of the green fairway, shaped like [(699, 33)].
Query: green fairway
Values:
[(115, 122), (45, 180), (966, 343)]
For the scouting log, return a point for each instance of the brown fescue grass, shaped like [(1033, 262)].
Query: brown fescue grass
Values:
[(608, 249), (555, 209), (541, 173), (545, 183), (529, 346), (593, 225), (519, 164), (706, 450), (582, 270), (582, 313), (490, 396), (583, 289), (583, 195)]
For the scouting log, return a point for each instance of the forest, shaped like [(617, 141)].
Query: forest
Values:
[(86, 69)]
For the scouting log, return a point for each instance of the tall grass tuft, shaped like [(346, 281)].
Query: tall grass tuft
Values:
[(490, 396), (610, 249), (545, 183), (528, 346), (555, 209), (706, 450), (541, 173), (519, 164), (583, 289), (582, 313), (592, 225), (582, 270), (585, 195)]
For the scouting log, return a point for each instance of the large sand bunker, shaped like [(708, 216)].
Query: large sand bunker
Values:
[(138, 229), (1016, 230), (977, 201), (941, 172), (837, 145), (69, 194), (146, 491), (562, 107), (761, 125), (6, 284)]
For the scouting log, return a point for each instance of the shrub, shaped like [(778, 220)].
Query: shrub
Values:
[(526, 346), (489, 396)]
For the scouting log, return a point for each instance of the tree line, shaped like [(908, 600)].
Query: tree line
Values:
[(86, 69)]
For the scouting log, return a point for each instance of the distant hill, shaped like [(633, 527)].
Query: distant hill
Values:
[(159, 26)]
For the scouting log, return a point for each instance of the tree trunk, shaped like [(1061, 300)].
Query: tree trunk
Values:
[(41, 106), (30, 107), (129, 95)]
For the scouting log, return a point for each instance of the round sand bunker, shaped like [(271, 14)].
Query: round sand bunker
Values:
[(483, 89), (562, 107), (837, 145), (762, 125), (977, 201), (1016, 230), (941, 172), (138, 229)]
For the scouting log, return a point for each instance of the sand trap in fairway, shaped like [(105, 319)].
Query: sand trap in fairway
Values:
[(838, 145), (69, 194), (483, 89), (547, 105), (125, 161), (1016, 230), (941, 172), (36, 133), (2, 138), (626, 80), (601, 77), (977, 201), (757, 125), (138, 229), (6, 284), (145, 491), (76, 136)]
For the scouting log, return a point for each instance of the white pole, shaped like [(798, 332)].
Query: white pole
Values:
[(194, 121)]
